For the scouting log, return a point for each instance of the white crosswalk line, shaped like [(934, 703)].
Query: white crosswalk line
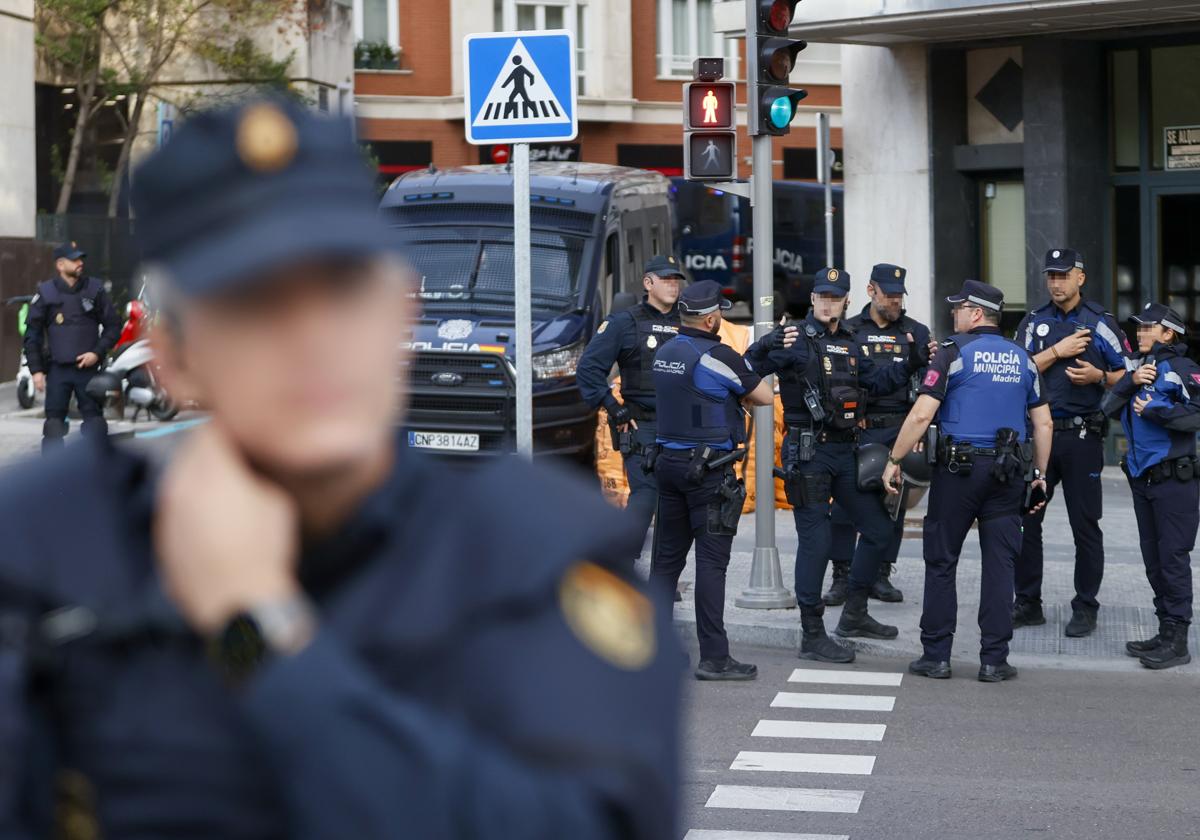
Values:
[(846, 702), (698, 834), (819, 730), (821, 677), (781, 762), (744, 797)]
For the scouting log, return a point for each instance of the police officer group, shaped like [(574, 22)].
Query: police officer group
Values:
[(993, 425)]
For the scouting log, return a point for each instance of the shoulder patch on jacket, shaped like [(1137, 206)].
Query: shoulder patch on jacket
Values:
[(609, 616)]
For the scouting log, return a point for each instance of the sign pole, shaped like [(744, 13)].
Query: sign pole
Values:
[(523, 355), (825, 175)]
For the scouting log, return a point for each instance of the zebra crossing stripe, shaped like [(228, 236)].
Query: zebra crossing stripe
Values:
[(745, 797), (845, 702), (781, 762), (822, 677), (819, 730)]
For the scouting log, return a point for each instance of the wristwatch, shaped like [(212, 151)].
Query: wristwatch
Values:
[(895, 462), (256, 635)]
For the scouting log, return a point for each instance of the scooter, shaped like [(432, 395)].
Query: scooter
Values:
[(26, 393), (128, 379)]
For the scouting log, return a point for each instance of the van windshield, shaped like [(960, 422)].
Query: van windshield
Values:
[(471, 268)]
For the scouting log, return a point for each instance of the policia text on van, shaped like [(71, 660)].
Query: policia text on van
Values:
[(594, 227)]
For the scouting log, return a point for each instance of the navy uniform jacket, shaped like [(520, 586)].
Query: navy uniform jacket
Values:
[(42, 317), (985, 382), (467, 680), (1167, 426), (1109, 350), (617, 342), (888, 343)]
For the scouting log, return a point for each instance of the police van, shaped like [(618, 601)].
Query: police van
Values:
[(716, 240), (593, 229)]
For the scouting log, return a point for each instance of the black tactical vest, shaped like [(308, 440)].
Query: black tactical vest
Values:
[(653, 329), (833, 369), (72, 319), (884, 345)]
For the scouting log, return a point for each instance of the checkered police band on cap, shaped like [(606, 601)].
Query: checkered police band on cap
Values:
[(1157, 313)]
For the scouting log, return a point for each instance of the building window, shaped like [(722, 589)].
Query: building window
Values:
[(377, 22), (528, 15), (685, 33)]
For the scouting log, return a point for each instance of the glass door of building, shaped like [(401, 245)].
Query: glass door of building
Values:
[(1176, 257)]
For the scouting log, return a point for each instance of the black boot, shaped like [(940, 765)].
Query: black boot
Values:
[(1141, 647), (814, 644), (1172, 649), (836, 596), (882, 589), (1027, 613), (857, 622)]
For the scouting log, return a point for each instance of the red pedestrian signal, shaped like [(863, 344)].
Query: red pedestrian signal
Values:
[(710, 105)]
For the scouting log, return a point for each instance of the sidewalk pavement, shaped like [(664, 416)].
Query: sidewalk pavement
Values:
[(1126, 611)]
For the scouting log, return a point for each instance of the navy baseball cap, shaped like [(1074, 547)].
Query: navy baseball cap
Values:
[(68, 251), (239, 190), (1158, 313), (889, 278), (664, 267), (702, 298), (1062, 259), (832, 280), (980, 294)]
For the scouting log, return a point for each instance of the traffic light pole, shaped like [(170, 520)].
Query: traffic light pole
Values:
[(766, 590)]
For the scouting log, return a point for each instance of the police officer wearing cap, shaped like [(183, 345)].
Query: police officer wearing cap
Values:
[(630, 339), (70, 329), (883, 332), (701, 385), (290, 624), (1080, 350), (985, 392), (823, 380), (1159, 407)]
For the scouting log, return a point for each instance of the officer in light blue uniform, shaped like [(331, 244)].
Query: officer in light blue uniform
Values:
[(1159, 407), (1080, 350), (700, 385), (985, 392), (630, 339), (291, 625)]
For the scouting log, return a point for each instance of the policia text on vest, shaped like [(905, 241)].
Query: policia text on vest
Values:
[(823, 379)]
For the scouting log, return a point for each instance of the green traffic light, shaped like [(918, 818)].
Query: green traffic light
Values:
[(782, 112)]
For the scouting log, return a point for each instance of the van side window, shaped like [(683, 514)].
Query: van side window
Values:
[(612, 268)]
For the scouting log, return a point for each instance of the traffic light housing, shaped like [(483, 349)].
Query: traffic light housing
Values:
[(710, 126), (770, 56)]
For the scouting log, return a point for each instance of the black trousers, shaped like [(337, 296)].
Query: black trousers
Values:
[(1076, 464), (61, 382), (1168, 514), (682, 520), (955, 503), (844, 534), (643, 489), (835, 463)]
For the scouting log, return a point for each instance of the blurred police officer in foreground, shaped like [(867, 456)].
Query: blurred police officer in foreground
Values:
[(823, 379), (630, 339), (701, 385), (70, 329), (883, 332), (985, 390), (1080, 350), (1159, 406), (296, 627)]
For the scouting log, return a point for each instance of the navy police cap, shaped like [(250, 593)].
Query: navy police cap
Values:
[(664, 267), (979, 294), (832, 280), (702, 298), (1157, 313), (243, 189), (889, 278), (1062, 260), (69, 251)]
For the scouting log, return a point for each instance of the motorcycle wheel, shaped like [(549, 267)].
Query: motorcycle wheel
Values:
[(164, 409), (25, 393)]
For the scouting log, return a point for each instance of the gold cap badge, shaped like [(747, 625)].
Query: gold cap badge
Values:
[(898, 273), (833, 274), (611, 618), (58, 319), (266, 138)]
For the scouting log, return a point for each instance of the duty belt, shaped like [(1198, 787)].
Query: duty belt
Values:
[(1185, 468), (884, 421), (1074, 424), (837, 436)]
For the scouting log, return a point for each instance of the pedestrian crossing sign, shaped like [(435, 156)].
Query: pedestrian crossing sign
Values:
[(520, 87)]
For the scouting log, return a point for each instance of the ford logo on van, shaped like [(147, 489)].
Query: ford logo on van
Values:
[(448, 378)]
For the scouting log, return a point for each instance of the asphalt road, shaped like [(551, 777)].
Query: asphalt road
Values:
[(1061, 754)]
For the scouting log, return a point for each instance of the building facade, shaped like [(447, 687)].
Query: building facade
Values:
[(979, 134), (633, 56)]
